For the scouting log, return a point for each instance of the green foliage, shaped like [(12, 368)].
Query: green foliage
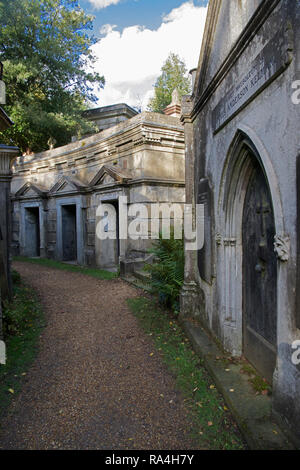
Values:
[(167, 271), (174, 75), (19, 315), (48, 70), (16, 278), (23, 323)]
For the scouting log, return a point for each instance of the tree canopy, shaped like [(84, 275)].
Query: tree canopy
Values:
[(48, 70), (173, 75)]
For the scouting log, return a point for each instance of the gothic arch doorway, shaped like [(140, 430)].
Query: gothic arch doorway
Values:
[(247, 263), (259, 275)]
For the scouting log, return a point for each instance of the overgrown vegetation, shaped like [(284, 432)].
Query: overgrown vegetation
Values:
[(167, 271), (49, 263), (259, 384), (213, 426), (23, 321)]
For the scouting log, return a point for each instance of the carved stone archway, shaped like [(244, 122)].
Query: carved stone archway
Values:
[(243, 155)]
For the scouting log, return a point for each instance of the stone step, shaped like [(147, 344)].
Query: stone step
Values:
[(137, 283), (142, 275)]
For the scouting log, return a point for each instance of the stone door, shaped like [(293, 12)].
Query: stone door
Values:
[(259, 276), (69, 233), (32, 232), (108, 248)]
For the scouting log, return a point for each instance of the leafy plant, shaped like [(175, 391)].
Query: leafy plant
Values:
[(19, 315), (48, 70), (167, 271)]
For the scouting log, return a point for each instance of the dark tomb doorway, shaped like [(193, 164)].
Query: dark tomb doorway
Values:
[(117, 241), (69, 233), (259, 275), (32, 232)]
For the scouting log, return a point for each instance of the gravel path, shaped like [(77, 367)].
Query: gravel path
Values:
[(94, 384)]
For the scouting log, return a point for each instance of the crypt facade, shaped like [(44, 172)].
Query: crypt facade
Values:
[(242, 151), (56, 193)]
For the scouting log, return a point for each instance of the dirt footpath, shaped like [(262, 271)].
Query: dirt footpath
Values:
[(94, 384)]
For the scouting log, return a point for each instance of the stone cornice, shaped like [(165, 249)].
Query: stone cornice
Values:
[(123, 139), (258, 19), (5, 121), (93, 187)]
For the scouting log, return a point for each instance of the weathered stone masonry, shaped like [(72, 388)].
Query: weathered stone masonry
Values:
[(56, 193), (242, 144), (7, 154)]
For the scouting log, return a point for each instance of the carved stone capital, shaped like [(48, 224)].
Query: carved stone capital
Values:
[(218, 239), (7, 155), (282, 247)]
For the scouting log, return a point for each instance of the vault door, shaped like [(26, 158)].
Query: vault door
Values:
[(69, 233), (259, 276), (32, 232)]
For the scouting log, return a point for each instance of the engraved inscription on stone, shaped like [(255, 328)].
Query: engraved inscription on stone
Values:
[(269, 63)]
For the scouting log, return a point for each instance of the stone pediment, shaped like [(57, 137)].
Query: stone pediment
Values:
[(67, 184), (110, 175), (31, 190)]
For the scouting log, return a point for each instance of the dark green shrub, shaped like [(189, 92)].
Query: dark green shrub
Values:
[(16, 278), (167, 270), (19, 314)]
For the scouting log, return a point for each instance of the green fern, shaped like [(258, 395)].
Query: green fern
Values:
[(167, 271)]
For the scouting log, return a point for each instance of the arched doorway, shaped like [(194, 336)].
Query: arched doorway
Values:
[(246, 260), (259, 274)]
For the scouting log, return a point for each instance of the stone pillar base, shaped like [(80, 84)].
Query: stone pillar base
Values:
[(191, 301)]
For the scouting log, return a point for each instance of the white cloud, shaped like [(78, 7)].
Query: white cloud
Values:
[(131, 60), (103, 3), (107, 28)]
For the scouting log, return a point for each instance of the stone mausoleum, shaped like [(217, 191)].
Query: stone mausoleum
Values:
[(242, 128), (7, 155), (56, 193)]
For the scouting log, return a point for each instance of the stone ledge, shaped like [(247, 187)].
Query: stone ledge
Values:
[(252, 412)]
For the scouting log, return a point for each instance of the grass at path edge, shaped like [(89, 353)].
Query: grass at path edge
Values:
[(49, 263), (26, 319), (213, 425)]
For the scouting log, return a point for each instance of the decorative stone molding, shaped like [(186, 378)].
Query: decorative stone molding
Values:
[(111, 151), (218, 239), (229, 241), (138, 141), (282, 247)]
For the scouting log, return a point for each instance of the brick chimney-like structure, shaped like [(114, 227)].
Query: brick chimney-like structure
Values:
[(174, 109)]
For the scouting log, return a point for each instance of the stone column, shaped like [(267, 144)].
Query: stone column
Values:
[(190, 294), (7, 154)]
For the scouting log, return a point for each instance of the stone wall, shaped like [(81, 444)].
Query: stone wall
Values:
[(242, 97), (141, 159)]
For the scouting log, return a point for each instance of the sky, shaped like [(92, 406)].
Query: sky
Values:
[(135, 38)]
